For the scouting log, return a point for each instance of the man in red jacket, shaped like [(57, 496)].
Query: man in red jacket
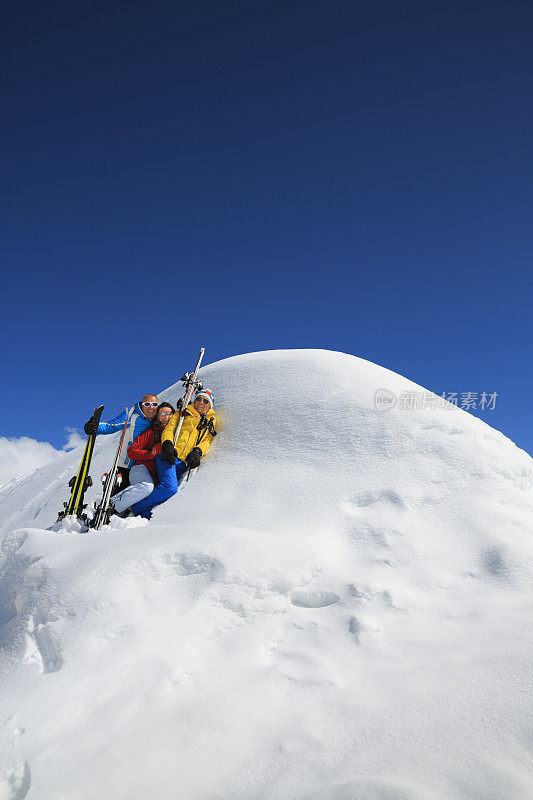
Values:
[(143, 474)]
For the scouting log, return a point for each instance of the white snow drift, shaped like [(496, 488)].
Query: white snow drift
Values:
[(337, 607)]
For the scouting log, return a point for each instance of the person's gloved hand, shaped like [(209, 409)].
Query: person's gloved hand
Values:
[(91, 427), (168, 453), (193, 459)]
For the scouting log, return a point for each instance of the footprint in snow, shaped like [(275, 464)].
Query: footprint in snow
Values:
[(194, 564), (371, 497), (354, 627), (314, 599), (494, 564)]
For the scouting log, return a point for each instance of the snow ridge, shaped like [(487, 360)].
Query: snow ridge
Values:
[(336, 607)]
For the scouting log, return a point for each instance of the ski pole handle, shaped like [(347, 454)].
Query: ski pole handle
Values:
[(191, 385)]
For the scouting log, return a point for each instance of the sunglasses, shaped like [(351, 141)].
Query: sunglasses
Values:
[(154, 405), (203, 400), (165, 413)]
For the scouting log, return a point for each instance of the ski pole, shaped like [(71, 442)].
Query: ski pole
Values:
[(190, 383)]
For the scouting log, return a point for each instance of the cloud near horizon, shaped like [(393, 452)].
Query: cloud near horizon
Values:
[(74, 439), (22, 455)]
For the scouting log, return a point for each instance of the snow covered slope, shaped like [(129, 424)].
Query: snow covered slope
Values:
[(337, 607)]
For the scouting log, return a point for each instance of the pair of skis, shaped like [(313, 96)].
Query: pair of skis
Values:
[(82, 481), (101, 516), (191, 385)]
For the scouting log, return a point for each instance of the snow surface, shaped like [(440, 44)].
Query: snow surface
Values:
[(337, 607)]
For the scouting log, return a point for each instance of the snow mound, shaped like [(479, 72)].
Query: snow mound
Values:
[(336, 607)]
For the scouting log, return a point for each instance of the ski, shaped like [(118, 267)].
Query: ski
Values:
[(101, 516), (82, 480), (191, 384)]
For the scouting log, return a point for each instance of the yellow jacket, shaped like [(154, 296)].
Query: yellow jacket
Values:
[(190, 436)]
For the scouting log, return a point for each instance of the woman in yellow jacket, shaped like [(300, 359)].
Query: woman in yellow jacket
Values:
[(197, 432)]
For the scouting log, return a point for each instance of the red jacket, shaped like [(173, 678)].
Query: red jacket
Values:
[(146, 447)]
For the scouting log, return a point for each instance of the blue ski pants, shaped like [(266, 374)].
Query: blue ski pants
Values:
[(167, 487), (141, 485)]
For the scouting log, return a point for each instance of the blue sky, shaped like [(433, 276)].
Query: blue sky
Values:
[(353, 176)]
